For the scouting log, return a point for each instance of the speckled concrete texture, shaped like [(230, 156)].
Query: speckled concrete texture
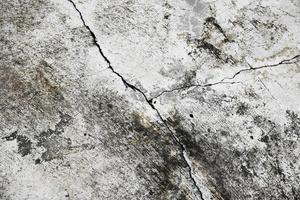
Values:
[(150, 99)]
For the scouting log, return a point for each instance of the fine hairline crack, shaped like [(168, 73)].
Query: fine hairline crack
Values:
[(183, 152), (192, 85), (292, 60), (283, 62)]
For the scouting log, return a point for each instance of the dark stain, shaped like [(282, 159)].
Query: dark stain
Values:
[(162, 174), (133, 135), (271, 136), (110, 106), (245, 171), (231, 171), (224, 133), (263, 122), (296, 193), (202, 44), (4, 195), (59, 129), (167, 16), (188, 78), (251, 93), (38, 91), (11, 137), (207, 42), (205, 153), (242, 108), (53, 141), (269, 29), (265, 139), (56, 147), (37, 161), (210, 48), (293, 128), (213, 21), (183, 196), (24, 143), (46, 85)]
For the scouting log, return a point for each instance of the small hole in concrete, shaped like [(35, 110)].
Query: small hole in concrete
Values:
[(38, 161)]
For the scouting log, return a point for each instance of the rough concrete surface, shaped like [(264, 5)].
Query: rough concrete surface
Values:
[(150, 99)]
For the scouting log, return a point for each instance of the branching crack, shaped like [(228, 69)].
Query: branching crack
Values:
[(183, 151), (292, 60)]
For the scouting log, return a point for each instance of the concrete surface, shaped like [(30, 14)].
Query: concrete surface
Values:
[(150, 99)]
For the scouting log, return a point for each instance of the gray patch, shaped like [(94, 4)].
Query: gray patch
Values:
[(59, 128), (55, 146), (24, 143), (126, 134), (201, 45), (53, 142), (242, 108), (293, 128), (233, 173)]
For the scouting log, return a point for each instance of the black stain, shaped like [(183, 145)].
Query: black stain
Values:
[(213, 21), (53, 141), (37, 161), (203, 44), (11, 137), (203, 151), (242, 108), (293, 127), (59, 129), (24, 143)]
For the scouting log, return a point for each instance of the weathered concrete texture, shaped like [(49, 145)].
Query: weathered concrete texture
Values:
[(150, 99)]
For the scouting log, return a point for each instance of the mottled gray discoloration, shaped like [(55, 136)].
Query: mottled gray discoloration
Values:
[(151, 99), (24, 144)]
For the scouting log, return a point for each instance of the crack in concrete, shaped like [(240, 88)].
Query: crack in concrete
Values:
[(126, 83), (190, 86), (266, 87), (183, 152), (283, 62)]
